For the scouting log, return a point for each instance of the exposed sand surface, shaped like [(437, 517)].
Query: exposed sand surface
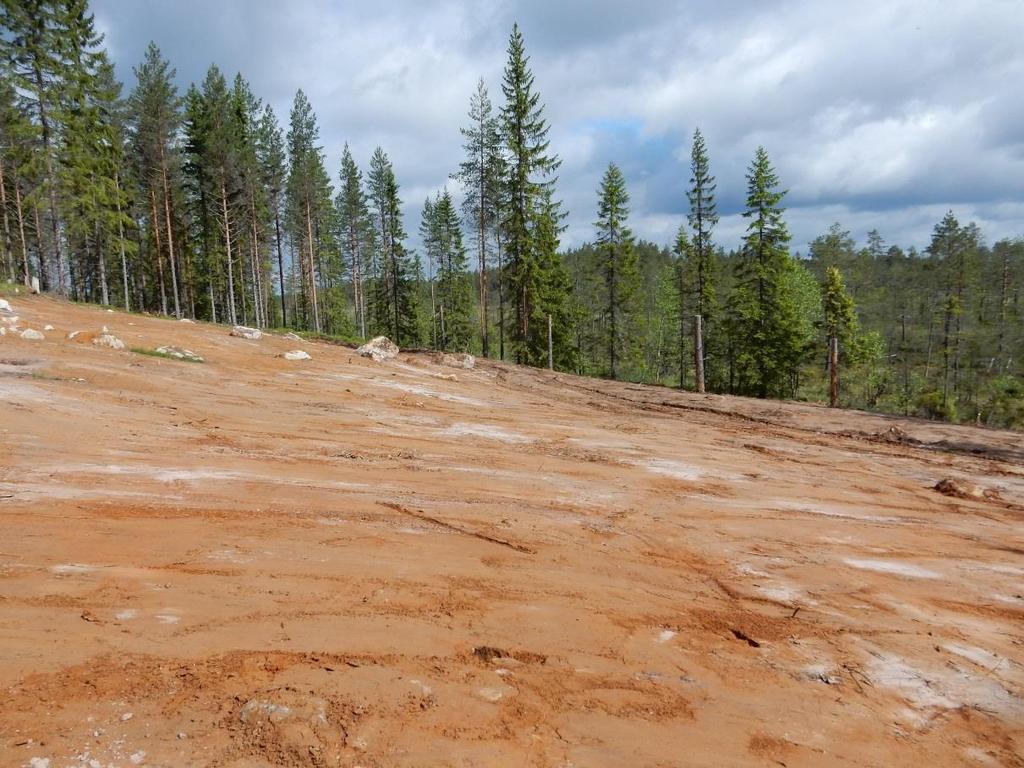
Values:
[(260, 562)]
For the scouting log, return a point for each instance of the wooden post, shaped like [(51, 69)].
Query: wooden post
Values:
[(551, 350), (833, 371), (698, 352)]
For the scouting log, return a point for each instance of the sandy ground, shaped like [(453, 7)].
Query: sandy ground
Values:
[(256, 562)]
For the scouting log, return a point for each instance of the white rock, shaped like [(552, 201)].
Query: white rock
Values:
[(109, 341), (9, 319), (47, 327), (126, 717), (138, 757), (247, 333), (380, 349), (33, 334), (296, 354), (5, 306), (73, 334), (3, 331), (180, 353), (461, 360), (110, 311), (292, 336), (186, 320)]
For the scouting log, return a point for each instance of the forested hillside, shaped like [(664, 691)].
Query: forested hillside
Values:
[(204, 203)]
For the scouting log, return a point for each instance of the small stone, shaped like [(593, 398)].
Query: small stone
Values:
[(5, 305), (296, 354), (126, 717), (47, 327), (244, 332), (187, 320), (182, 735), (32, 334), (461, 360), (138, 757)]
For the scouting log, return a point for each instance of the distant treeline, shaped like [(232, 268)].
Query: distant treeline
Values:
[(202, 205)]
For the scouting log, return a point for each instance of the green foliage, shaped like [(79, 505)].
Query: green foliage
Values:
[(395, 305), (531, 220), (617, 269), (768, 330)]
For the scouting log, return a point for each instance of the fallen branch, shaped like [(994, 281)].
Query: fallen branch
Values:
[(421, 515)]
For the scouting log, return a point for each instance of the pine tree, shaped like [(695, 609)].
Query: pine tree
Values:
[(310, 205), (356, 233), (955, 246), (18, 168), (480, 174), (271, 158), (766, 323), (155, 119), (528, 182), (617, 267), (30, 49)]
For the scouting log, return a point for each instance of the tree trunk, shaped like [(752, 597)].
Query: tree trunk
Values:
[(227, 246), (551, 347), (8, 249), (120, 234), (501, 300), (21, 231), (312, 269), (280, 263), (698, 352), (833, 371), (51, 187), (159, 255), (170, 233)]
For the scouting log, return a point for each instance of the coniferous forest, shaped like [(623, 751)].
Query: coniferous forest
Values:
[(205, 204)]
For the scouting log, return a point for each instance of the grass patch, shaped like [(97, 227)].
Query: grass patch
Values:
[(164, 355), (12, 289), (340, 340)]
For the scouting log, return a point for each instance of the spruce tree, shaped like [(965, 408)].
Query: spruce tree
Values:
[(766, 320), (395, 306), (702, 218), (454, 290), (616, 266), (528, 183)]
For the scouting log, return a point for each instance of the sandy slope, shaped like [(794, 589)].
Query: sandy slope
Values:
[(257, 562)]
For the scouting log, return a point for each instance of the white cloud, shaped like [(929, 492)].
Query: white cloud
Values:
[(877, 114)]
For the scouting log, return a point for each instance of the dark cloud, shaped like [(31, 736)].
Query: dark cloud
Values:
[(875, 114)]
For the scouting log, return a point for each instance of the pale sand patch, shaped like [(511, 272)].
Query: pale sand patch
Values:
[(892, 566)]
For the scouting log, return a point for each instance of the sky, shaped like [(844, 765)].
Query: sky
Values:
[(876, 114)]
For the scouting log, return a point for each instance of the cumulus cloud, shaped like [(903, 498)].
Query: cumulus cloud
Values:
[(880, 114)]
